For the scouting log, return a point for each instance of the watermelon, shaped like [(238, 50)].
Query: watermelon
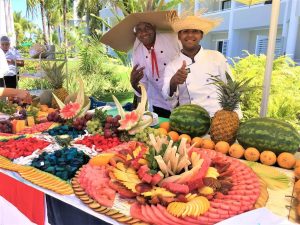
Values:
[(269, 134), (190, 119)]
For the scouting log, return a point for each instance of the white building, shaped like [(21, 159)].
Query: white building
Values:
[(244, 27), (247, 28), (7, 20)]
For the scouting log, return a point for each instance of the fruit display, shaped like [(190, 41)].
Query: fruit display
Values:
[(65, 130), (273, 178), (172, 183), (55, 117), (190, 119), (13, 149), (55, 76), (136, 120), (99, 142), (45, 180), (38, 128), (62, 163), (225, 122), (7, 108), (268, 133), (6, 126)]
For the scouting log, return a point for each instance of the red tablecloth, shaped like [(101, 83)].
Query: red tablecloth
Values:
[(28, 200)]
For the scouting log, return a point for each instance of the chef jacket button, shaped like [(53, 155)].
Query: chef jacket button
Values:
[(165, 64), (192, 99), (161, 51), (156, 79), (208, 96), (146, 57), (207, 80)]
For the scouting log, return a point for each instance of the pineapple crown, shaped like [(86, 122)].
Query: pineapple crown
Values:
[(229, 93), (54, 74)]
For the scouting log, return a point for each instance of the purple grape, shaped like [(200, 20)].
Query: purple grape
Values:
[(107, 133), (109, 119)]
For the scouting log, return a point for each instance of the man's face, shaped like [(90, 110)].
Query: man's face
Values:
[(190, 38), (5, 46), (145, 33)]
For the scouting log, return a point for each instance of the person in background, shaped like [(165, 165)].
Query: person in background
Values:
[(12, 92), (3, 65), (187, 79), (14, 60), (152, 51)]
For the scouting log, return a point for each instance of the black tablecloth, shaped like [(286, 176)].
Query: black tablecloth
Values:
[(60, 213)]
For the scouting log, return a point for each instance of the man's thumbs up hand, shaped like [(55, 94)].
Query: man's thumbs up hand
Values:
[(181, 75)]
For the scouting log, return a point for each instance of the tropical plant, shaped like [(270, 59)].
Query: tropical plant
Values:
[(32, 6), (284, 98)]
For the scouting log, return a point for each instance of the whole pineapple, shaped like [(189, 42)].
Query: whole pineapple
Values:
[(225, 123), (55, 75)]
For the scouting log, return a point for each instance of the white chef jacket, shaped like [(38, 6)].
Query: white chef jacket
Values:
[(3, 64), (14, 54), (167, 48), (198, 88)]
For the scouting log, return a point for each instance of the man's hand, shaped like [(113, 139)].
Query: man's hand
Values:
[(179, 78), (24, 95), (10, 62), (135, 76)]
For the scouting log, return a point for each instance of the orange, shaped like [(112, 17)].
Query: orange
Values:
[(251, 154), (297, 164), (101, 160), (297, 187), (236, 151), (173, 135), (222, 146), (198, 141), (286, 160), (162, 131), (165, 125), (208, 144), (185, 136), (297, 172), (268, 158)]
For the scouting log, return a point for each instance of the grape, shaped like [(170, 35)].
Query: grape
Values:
[(109, 119), (94, 126), (5, 126), (143, 136)]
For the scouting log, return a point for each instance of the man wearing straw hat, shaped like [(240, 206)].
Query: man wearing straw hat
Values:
[(187, 78), (154, 46)]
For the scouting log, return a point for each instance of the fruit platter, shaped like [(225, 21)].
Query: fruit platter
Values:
[(122, 168)]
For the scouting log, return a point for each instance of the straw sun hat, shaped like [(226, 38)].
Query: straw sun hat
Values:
[(193, 22)]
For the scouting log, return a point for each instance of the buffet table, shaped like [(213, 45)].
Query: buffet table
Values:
[(30, 200)]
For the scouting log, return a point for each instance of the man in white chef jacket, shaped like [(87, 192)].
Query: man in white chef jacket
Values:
[(187, 78), (152, 51)]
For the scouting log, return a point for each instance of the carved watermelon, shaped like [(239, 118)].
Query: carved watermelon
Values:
[(129, 121), (70, 110)]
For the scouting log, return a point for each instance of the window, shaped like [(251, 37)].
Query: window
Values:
[(262, 45), (222, 46), (226, 4)]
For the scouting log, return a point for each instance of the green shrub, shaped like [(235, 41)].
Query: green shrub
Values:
[(284, 93)]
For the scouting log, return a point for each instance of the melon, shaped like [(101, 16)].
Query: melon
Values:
[(70, 110), (190, 119), (269, 133)]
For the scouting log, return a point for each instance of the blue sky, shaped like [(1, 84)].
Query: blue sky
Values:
[(20, 5)]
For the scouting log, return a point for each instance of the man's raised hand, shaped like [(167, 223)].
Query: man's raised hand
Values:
[(136, 75)]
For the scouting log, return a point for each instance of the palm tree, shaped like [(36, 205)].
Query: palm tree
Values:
[(86, 8), (32, 6), (21, 25)]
